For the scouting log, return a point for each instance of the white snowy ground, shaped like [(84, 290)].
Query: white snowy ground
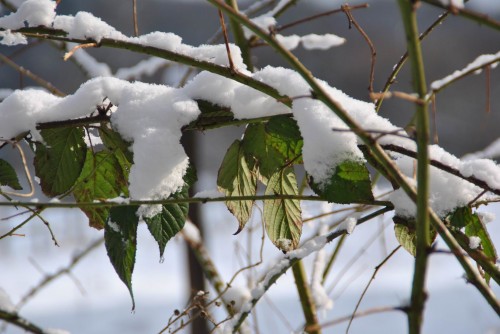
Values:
[(105, 307)]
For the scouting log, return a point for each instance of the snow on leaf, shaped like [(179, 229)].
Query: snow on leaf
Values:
[(476, 228), (60, 160), (236, 179), (282, 217), (121, 243)]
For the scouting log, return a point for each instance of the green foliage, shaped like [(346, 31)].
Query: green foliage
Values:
[(120, 238), (406, 234), (172, 218), (60, 159), (211, 115), (8, 176), (102, 178), (282, 217), (350, 183), (475, 227), (236, 179)]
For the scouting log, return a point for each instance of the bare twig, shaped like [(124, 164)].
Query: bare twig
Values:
[(16, 320), (134, 15), (377, 268), (317, 16), (226, 41), (347, 10), (71, 52)]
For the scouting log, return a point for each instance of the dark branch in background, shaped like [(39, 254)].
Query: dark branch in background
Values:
[(45, 84), (347, 10)]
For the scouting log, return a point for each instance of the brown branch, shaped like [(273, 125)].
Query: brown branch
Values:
[(16, 320), (226, 41), (316, 16), (347, 10), (134, 16)]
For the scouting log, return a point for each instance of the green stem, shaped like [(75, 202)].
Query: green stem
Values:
[(306, 300), (239, 37), (375, 148), (423, 239)]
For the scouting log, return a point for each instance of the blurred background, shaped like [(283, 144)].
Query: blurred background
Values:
[(93, 299)]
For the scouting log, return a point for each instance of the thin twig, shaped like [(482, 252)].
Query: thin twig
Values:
[(16, 320), (347, 10), (26, 173), (226, 41), (71, 52), (375, 310), (134, 16), (317, 16), (377, 268)]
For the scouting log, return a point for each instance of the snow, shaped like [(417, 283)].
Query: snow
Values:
[(191, 232), (491, 151), (348, 225), (32, 12), (483, 169), (84, 25), (236, 296), (454, 3), (320, 296), (5, 302), (91, 66), (486, 217), (12, 38), (114, 226), (264, 22), (321, 42), (474, 242), (478, 63), (289, 42)]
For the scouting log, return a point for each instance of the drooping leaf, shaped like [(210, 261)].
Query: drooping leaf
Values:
[(350, 183), (260, 153), (284, 135), (120, 238), (8, 176), (172, 217), (59, 160), (406, 234), (236, 179), (102, 177), (476, 228), (283, 217)]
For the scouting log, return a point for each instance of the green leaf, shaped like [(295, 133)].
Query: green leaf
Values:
[(119, 147), (102, 177), (170, 221), (59, 160), (211, 114), (406, 233), (236, 179), (8, 176), (284, 135), (350, 183), (258, 151), (282, 217), (120, 238), (476, 228), (461, 217)]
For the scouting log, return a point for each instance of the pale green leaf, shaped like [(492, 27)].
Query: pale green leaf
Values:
[(8, 176)]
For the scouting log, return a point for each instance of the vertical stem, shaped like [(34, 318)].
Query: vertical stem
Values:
[(306, 299), (418, 295), (134, 14), (239, 36)]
